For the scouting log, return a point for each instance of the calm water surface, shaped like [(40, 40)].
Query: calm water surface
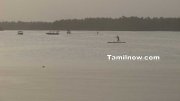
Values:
[(77, 68)]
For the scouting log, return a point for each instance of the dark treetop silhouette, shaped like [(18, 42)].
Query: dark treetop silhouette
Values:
[(112, 24)]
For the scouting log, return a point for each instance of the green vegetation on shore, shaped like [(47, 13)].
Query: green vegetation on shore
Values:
[(106, 24)]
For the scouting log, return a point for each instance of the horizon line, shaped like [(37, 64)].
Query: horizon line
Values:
[(151, 17)]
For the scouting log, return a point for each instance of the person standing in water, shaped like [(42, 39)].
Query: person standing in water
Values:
[(68, 31), (117, 38)]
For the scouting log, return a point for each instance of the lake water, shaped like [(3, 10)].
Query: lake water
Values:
[(77, 67)]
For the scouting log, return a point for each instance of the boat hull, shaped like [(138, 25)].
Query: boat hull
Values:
[(52, 33), (116, 42)]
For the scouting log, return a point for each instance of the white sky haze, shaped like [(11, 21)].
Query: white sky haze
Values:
[(50, 10)]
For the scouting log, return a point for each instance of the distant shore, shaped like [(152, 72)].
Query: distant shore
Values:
[(99, 24)]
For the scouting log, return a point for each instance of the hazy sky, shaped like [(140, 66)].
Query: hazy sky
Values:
[(49, 10)]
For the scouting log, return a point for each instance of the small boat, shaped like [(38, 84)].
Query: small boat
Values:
[(20, 32), (53, 33), (116, 42)]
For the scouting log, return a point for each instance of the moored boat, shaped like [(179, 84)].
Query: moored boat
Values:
[(20, 32), (53, 33)]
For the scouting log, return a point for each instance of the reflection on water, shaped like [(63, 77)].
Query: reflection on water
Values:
[(77, 68)]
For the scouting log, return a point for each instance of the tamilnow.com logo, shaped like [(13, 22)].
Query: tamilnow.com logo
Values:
[(133, 58)]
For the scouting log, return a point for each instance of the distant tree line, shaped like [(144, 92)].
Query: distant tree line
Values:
[(111, 24)]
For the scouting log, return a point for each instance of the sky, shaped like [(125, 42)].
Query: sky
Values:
[(50, 10)]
